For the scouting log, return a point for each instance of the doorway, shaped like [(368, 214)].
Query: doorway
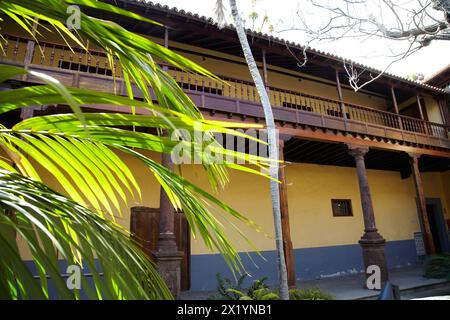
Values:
[(437, 225)]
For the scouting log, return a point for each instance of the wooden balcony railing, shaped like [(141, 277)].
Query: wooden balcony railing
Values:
[(96, 62)]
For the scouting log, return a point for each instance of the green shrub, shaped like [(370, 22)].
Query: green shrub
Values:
[(257, 285), (438, 266), (227, 289), (259, 290), (309, 294), (258, 294)]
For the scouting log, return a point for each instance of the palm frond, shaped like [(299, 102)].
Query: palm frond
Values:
[(54, 228), (83, 157)]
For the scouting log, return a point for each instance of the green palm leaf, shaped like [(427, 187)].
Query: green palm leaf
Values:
[(82, 152), (43, 217)]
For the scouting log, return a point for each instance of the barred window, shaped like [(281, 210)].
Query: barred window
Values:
[(342, 207)]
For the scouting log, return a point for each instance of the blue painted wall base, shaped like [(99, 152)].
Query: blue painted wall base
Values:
[(310, 263)]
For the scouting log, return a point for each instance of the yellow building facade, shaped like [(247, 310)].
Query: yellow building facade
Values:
[(318, 125)]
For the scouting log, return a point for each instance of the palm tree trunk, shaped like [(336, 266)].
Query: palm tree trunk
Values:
[(273, 148)]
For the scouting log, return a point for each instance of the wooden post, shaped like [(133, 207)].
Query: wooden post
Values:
[(445, 111), (287, 243), (423, 216), (420, 107), (372, 242), (394, 100), (166, 222), (265, 76), (422, 117), (341, 99), (167, 255), (166, 45)]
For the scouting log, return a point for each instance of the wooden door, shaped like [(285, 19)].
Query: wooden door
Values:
[(144, 228)]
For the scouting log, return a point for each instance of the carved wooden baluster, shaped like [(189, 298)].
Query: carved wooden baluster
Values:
[(80, 60), (97, 63), (5, 47), (188, 81), (296, 101), (89, 60), (407, 124), (359, 113), (106, 65), (308, 103), (416, 127), (362, 115), (16, 50), (61, 58), (370, 116), (389, 121), (70, 60)]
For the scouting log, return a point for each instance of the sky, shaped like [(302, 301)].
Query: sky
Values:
[(282, 14)]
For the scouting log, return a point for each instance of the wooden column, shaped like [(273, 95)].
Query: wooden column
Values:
[(341, 99), (265, 76), (419, 104), (372, 242), (287, 243), (422, 115), (394, 100), (421, 205), (445, 111), (167, 255), (166, 222)]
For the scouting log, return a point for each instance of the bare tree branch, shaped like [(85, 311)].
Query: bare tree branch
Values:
[(414, 22)]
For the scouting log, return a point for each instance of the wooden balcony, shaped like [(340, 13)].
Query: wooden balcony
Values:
[(230, 96)]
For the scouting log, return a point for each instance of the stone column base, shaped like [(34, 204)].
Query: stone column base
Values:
[(169, 267), (373, 245)]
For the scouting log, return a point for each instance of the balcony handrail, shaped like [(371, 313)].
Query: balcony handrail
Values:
[(94, 52), (57, 45)]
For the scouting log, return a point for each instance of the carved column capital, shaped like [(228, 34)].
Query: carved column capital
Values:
[(358, 152), (414, 155), (284, 138)]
